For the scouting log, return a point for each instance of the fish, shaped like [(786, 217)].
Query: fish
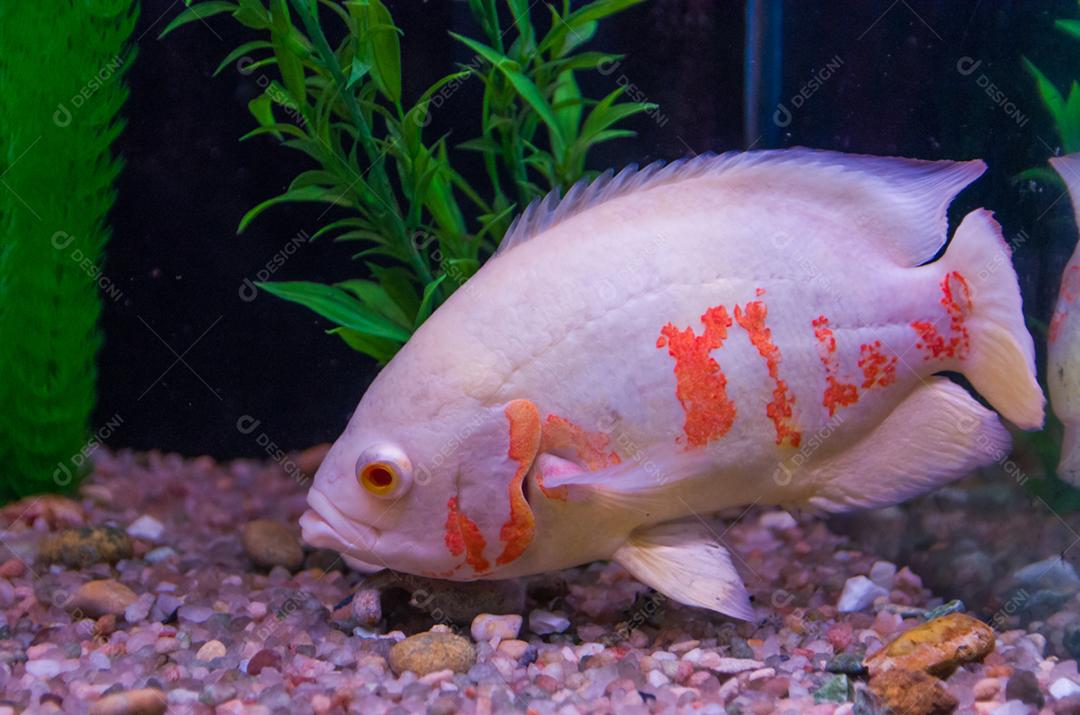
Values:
[(665, 343), (1063, 338)]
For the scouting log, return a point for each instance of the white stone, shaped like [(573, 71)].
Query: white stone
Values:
[(882, 573), (146, 527), (544, 622), (486, 627), (859, 593), (657, 679), (1063, 688), (778, 520), (730, 666), (1013, 707), (44, 668)]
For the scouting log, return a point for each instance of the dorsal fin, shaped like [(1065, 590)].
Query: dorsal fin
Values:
[(906, 197)]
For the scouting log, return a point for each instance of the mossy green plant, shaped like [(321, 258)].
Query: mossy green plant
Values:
[(60, 69), (424, 228)]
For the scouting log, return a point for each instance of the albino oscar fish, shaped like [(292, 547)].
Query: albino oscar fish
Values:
[(664, 343), (1063, 338)]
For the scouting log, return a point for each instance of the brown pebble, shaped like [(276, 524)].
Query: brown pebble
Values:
[(263, 659), (102, 597), (80, 548), (12, 568), (105, 625), (55, 510), (1024, 686), (147, 701), (936, 647), (428, 652), (913, 692), (271, 543)]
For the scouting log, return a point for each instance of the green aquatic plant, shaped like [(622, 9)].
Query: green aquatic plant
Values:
[(61, 71), (423, 228), (1064, 109)]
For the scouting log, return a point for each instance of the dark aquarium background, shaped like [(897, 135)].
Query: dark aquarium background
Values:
[(190, 348)]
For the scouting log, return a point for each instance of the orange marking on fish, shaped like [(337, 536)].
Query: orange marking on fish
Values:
[(779, 409), (701, 386), (956, 299), (517, 532), (1070, 283), (878, 370), (759, 292), (1055, 325), (592, 449), (463, 535), (837, 394)]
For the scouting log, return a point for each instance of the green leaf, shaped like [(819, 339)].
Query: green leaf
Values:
[(427, 303), (567, 101), (308, 193), (399, 285), (375, 297), (357, 72), (336, 305), (581, 24), (240, 52), (382, 49), (262, 109), (379, 348), (1050, 95), (1070, 27), (1040, 174), (524, 86), (197, 12), (252, 13)]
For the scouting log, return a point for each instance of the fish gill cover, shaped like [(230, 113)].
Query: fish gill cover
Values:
[(61, 71)]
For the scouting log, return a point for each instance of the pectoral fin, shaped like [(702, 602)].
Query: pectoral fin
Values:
[(684, 561)]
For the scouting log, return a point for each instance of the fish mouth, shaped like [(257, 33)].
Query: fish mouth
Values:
[(324, 526)]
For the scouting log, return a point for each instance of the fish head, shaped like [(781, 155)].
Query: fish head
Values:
[(427, 486)]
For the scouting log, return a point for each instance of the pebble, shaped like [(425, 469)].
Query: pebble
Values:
[(101, 597), (913, 692), (139, 609), (146, 527), (84, 547), (847, 663), (859, 593), (953, 606), (271, 543), (730, 666), (1063, 688), (211, 650), (486, 627), (936, 647), (883, 573), (1053, 574), (986, 689), (430, 652), (543, 623), (53, 510), (263, 659), (835, 690), (159, 554), (145, 701), (1024, 686)]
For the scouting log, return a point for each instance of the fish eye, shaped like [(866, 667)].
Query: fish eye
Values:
[(384, 473)]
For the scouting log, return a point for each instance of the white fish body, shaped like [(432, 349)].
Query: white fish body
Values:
[(746, 328), (1063, 340)]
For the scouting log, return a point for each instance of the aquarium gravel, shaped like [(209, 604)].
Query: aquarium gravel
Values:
[(163, 607)]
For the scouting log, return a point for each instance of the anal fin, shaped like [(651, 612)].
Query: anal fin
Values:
[(684, 561), (937, 434)]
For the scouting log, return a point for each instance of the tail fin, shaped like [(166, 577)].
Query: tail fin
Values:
[(1001, 364)]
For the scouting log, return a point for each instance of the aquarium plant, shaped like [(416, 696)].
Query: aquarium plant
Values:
[(421, 227), (61, 71), (1064, 109)]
